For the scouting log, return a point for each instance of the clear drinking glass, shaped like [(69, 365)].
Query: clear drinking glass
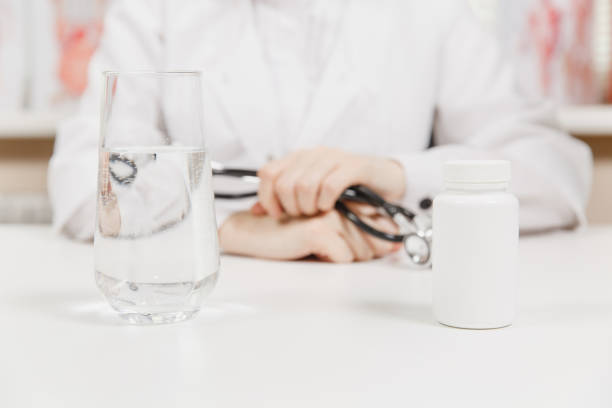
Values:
[(156, 246)]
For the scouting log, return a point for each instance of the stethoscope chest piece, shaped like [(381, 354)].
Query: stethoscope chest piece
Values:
[(417, 241), (418, 249)]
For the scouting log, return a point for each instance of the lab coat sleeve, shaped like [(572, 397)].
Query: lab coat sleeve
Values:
[(131, 41), (480, 115)]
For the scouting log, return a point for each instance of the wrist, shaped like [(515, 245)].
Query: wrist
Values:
[(229, 232), (265, 237), (397, 168)]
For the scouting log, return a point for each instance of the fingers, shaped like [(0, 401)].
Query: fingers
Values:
[(381, 247), (328, 236), (333, 238), (257, 209), (358, 242), (326, 241), (362, 209), (310, 181), (267, 192), (292, 185), (308, 185), (287, 182), (370, 216), (353, 239), (286, 185), (338, 180)]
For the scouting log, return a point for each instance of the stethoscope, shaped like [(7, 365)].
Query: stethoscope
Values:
[(414, 230)]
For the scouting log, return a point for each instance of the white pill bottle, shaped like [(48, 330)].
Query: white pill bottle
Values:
[(475, 246)]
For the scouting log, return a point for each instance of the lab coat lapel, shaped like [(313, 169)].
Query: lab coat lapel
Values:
[(245, 91), (351, 79), (337, 88)]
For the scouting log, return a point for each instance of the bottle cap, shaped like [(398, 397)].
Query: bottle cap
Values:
[(477, 171)]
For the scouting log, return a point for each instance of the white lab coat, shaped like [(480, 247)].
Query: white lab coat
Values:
[(373, 77)]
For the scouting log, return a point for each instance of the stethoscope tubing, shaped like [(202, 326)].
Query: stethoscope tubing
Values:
[(357, 193), (351, 216), (235, 173)]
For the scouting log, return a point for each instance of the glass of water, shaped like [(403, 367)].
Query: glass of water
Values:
[(156, 246)]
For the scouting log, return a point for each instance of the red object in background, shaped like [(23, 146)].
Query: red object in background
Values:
[(578, 61), (555, 50), (544, 27), (78, 41)]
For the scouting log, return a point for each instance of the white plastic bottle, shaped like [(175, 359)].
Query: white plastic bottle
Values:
[(475, 246)]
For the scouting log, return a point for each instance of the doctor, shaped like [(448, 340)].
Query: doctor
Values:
[(321, 95)]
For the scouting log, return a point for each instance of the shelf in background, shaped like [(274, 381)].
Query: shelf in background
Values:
[(28, 125), (587, 120)]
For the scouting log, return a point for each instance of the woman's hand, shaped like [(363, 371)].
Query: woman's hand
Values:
[(328, 236), (307, 182)]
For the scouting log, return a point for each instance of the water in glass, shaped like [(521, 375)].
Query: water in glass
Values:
[(156, 249)]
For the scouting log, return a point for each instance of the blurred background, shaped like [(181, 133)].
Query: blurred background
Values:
[(562, 50)]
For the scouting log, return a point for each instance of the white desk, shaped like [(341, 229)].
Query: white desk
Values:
[(305, 335)]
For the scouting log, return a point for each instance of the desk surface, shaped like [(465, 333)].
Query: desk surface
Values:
[(305, 335)]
